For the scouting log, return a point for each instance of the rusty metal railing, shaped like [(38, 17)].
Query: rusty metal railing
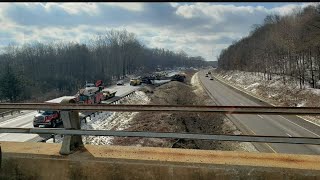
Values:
[(167, 108), (216, 137), (72, 131)]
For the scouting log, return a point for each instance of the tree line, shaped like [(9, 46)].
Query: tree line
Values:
[(287, 46), (37, 68)]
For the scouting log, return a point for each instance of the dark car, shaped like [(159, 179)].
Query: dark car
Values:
[(207, 75), (211, 78), (120, 83), (47, 119)]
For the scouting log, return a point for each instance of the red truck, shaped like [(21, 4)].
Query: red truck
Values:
[(91, 94), (47, 119)]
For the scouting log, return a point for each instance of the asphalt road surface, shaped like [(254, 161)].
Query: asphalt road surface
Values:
[(26, 120), (272, 125)]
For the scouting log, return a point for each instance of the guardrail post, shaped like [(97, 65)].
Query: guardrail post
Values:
[(70, 121), (53, 138)]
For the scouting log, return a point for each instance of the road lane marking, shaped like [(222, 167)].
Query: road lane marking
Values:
[(289, 135), (300, 126), (256, 134), (260, 116), (252, 132), (18, 118), (308, 120), (271, 148)]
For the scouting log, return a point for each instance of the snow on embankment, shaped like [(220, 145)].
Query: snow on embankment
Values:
[(274, 91), (196, 83), (227, 126), (112, 120)]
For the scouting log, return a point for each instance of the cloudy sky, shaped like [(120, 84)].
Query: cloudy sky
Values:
[(197, 28)]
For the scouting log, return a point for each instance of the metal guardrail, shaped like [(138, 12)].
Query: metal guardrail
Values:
[(2, 114), (72, 131), (171, 108), (216, 137), (113, 101)]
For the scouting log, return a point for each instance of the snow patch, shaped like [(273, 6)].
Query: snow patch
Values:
[(194, 79), (113, 120), (280, 91), (301, 104), (315, 91), (195, 82), (252, 85)]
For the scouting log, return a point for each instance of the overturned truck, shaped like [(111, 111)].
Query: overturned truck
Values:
[(152, 79)]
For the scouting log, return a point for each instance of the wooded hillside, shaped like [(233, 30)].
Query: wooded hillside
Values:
[(38, 68), (288, 46)]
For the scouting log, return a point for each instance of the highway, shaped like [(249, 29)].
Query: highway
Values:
[(272, 125), (26, 120)]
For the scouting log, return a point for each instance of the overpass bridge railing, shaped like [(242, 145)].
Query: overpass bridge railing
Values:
[(72, 131)]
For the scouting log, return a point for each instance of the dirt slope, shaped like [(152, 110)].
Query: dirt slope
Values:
[(177, 93)]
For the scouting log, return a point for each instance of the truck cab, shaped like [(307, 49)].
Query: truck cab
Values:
[(108, 94), (47, 118), (135, 82)]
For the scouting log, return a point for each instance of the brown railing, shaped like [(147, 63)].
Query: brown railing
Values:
[(72, 131)]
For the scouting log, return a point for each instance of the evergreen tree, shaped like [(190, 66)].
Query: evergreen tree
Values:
[(11, 87)]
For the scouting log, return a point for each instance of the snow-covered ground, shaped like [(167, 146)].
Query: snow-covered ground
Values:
[(159, 81), (196, 83), (274, 91), (110, 120)]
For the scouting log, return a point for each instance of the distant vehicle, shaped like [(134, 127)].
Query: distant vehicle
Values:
[(207, 75), (178, 77), (89, 85), (108, 94), (120, 83), (211, 78), (135, 82), (91, 94), (47, 119), (209, 72), (147, 79)]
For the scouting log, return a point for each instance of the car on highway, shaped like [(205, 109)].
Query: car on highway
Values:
[(120, 83), (207, 75), (211, 78)]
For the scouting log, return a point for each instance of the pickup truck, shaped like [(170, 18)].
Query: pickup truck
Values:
[(50, 118), (47, 119)]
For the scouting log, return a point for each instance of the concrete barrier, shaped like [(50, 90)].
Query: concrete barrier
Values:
[(43, 161), (2, 114)]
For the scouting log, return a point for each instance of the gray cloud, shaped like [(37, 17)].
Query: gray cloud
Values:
[(193, 27)]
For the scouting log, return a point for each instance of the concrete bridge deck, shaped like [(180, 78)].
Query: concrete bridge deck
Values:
[(43, 161)]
